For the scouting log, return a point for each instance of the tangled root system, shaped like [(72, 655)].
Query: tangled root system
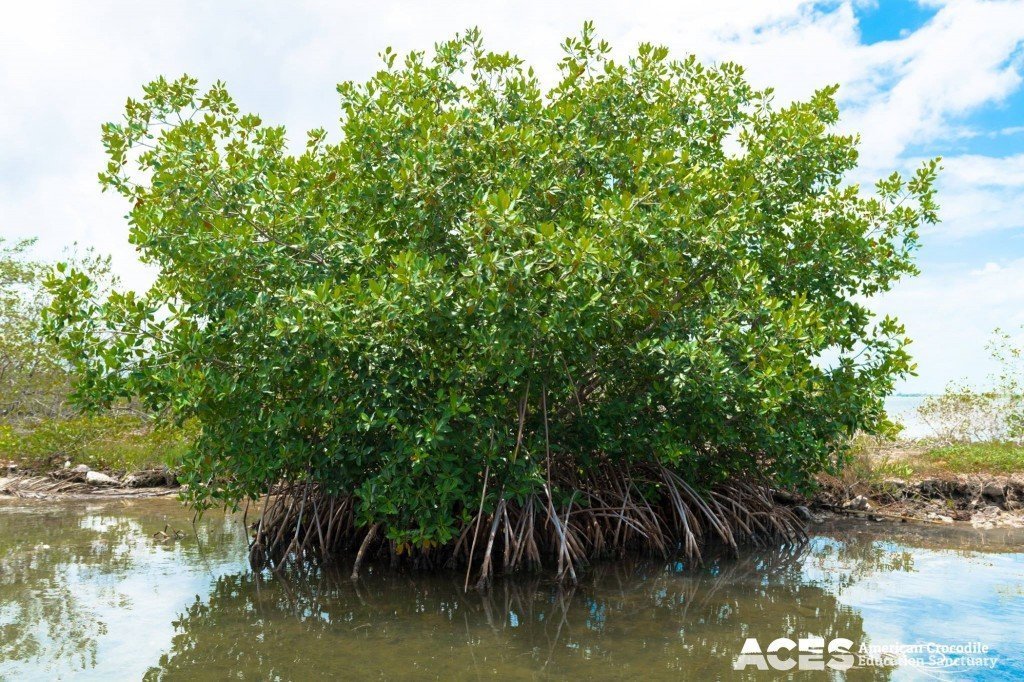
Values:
[(606, 515)]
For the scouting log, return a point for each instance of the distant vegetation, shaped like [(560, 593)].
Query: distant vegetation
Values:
[(965, 413), (974, 429), (40, 426), (33, 382), (980, 430), (975, 458)]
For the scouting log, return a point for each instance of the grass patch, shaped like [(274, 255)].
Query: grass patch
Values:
[(871, 461), (111, 443), (976, 458)]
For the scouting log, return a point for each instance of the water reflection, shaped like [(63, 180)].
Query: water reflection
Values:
[(79, 582), (626, 620), (88, 591)]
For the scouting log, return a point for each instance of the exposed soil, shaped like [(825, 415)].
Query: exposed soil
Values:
[(983, 500)]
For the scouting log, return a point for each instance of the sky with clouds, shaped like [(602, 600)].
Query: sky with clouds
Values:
[(917, 80)]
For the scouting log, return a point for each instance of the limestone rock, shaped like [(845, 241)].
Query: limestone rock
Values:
[(943, 488), (994, 491), (859, 503), (96, 478)]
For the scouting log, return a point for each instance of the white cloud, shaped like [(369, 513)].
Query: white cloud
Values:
[(951, 317), (974, 169), (960, 60), (978, 195)]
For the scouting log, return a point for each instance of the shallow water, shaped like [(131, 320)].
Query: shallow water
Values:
[(86, 592)]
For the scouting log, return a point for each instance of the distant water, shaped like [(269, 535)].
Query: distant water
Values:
[(903, 408)]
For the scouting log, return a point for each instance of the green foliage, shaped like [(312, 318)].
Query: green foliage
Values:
[(480, 280)]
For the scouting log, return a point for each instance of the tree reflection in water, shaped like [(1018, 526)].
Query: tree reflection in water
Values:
[(626, 619), (85, 589)]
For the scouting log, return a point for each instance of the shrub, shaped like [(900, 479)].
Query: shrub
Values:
[(483, 301)]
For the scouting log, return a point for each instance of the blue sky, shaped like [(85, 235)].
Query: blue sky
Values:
[(878, 22), (917, 79)]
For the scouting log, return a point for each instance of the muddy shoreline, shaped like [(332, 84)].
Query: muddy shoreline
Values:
[(981, 501)]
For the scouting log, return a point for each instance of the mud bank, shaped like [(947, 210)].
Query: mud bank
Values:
[(982, 501)]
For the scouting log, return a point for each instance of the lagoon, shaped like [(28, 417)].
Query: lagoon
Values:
[(88, 592)]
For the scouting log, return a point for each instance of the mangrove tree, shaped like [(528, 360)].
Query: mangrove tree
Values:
[(492, 324)]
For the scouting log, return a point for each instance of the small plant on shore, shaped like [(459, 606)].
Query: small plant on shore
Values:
[(489, 324), (869, 467)]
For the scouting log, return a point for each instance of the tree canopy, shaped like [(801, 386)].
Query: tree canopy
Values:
[(480, 289)]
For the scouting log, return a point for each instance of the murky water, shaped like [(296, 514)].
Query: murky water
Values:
[(87, 592)]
